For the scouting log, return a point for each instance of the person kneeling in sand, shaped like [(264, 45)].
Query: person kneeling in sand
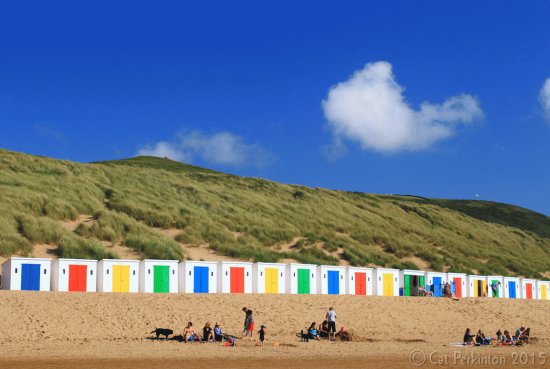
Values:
[(189, 333)]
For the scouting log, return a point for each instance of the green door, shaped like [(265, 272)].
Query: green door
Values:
[(407, 285), (161, 274), (303, 281)]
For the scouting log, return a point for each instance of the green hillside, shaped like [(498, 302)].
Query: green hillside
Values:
[(163, 209)]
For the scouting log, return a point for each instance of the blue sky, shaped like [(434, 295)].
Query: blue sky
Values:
[(440, 99)]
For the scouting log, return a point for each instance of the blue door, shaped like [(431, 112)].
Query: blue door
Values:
[(438, 291), (333, 283), (200, 284), (512, 289), (30, 277)]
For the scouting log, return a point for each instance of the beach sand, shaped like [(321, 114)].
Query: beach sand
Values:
[(101, 330)]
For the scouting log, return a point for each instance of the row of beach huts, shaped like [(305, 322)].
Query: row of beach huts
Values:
[(172, 276)]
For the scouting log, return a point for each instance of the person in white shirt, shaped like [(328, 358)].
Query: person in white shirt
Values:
[(331, 318)]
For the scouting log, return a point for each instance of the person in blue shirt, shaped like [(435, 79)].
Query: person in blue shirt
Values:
[(312, 332), (218, 333)]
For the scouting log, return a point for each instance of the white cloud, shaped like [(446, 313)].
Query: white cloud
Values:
[(370, 108), (223, 148), (544, 98)]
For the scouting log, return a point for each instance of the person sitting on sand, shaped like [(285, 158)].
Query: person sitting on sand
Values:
[(189, 333), (500, 336), (524, 336), (207, 334), (507, 337), (218, 333), (343, 334), (481, 339), (422, 291), (447, 290), (323, 331), (468, 337), (312, 332), (518, 333)]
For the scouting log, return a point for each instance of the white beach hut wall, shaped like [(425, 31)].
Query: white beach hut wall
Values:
[(435, 281), (386, 282), (114, 275), (331, 280), (301, 279), (495, 286), (158, 276), (512, 288), (528, 289), (26, 274), (234, 277), (458, 283), (411, 281), (543, 290), (198, 276), (477, 286), (359, 281), (268, 278), (74, 275)]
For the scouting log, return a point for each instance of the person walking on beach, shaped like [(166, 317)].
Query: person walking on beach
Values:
[(331, 318), (248, 322)]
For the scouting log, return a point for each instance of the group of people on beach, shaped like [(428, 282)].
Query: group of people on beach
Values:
[(501, 338), (446, 291), (216, 334), (327, 329)]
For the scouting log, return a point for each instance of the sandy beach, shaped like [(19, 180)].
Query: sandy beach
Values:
[(98, 330)]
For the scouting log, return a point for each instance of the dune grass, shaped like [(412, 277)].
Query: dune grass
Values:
[(251, 218)]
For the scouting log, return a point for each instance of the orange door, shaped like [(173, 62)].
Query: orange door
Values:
[(77, 278), (529, 291), (236, 276), (458, 287), (360, 283)]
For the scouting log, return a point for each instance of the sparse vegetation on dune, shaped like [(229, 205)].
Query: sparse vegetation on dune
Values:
[(130, 201)]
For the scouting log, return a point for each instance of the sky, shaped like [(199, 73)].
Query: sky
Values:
[(438, 99)]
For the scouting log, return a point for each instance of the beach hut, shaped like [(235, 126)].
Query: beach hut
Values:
[(435, 281), (359, 281), (477, 286), (301, 279), (115, 275), (198, 276), (495, 286), (543, 290), (410, 282), (386, 282), (332, 280), (74, 275), (457, 281), (512, 288), (158, 276), (26, 274), (234, 277), (268, 278), (528, 289)]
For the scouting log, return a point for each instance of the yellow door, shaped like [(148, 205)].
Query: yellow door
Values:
[(543, 292), (387, 279), (121, 278), (271, 280), (475, 288)]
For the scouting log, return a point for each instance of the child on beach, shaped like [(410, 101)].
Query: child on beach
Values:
[(261, 333)]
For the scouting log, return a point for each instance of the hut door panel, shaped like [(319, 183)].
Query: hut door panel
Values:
[(438, 292), (200, 281), (333, 282), (30, 277), (121, 278), (161, 275), (237, 279), (512, 290), (406, 285), (360, 283), (271, 280), (543, 292), (77, 278), (529, 291), (458, 287), (303, 281), (387, 280)]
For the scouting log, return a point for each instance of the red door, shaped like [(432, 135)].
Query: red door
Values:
[(458, 287), (236, 276), (529, 290), (77, 277), (360, 283)]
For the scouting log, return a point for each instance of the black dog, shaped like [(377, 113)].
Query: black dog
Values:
[(162, 332), (304, 337)]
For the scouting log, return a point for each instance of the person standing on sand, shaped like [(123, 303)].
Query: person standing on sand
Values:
[(331, 318)]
